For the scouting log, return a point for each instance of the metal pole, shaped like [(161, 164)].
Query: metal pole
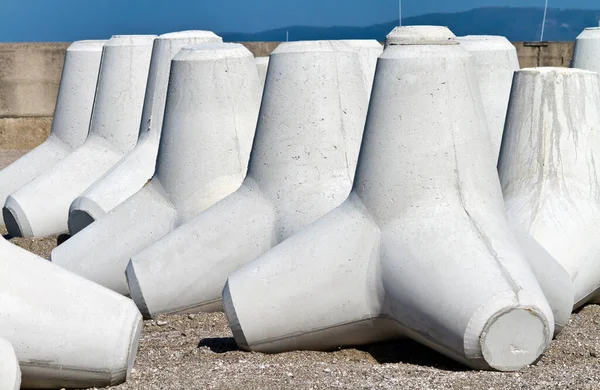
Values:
[(399, 12), (544, 21)]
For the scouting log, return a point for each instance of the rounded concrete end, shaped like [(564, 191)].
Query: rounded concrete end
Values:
[(209, 35), (514, 338), (130, 40), (362, 43), (82, 213), (15, 219), (485, 43), (312, 46), (232, 318), (87, 45), (79, 220), (135, 291), (590, 33), (421, 35), (212, 52)]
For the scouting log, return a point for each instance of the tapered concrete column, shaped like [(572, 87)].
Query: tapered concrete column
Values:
[(262, 63), (41, 207), (301, 167), (368, 50), (421, 248), (548, 172), (66, 331), (586, 53), (71, 118), (135, 169), (10, 373), (495, 63), (210, 118)]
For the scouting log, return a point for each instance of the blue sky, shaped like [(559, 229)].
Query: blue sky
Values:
[(69, 20)]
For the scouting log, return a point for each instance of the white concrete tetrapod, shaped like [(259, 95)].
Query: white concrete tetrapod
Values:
[(496, 61), (135, 169), (586, 52), (66, 331), (368, 50), (41, 207), (10, 373), (421, 248), (210, 118), (301, 167), (262, 63), (71, 118), (548, 172)]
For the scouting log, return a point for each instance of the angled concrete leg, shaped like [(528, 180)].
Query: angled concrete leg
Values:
[(66, 331), (203, 158), (422, 242), (301, 167), (496, 61), (41, 207), (10, 373), (135, 169), (71, 118), (262, 63), (368, 51), (548, 172), (586, 53)]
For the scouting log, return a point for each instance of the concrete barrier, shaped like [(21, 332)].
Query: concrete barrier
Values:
[(301, 167), (547, 168), (71, 119), (495, 63), (66, 331), (421, 248), (203, 158), (41, 207), (10, 373), (135, 169), (586, 54)]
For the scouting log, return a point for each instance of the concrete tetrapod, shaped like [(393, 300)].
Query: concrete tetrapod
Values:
[(421, 248), (71, 118), (66, 331), (135, 169), (586, 53), (547, 168), (210, 117), (262, 63), (368, 50), (495, 63), (301, 167), (10, 373), (41, 207)]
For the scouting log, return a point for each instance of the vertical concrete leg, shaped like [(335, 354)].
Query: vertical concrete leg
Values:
[(10, 373), (422, 243), (547, 168), (66, 331), (586, 53), (301, 167), (496, 61), (135, 169), (71, 118), (203, 158), (41, 207)]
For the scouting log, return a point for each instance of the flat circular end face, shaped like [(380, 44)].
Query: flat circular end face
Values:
[(88, 45), (191, 34), (421, 35), (514, 339), (590, 33), (212, 51), (312, 46), (131, 40), (485, 43), (362, 43)]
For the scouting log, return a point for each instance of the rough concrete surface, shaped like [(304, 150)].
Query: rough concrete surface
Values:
[(198, 352)]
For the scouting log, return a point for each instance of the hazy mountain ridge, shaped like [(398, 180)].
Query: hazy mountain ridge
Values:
[(517, 24)]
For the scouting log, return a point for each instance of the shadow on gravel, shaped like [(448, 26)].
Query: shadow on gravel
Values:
[(411, 352), (7, 237), (219, 344)]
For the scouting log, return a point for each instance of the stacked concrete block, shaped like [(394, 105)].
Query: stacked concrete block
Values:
[(71, 118), (421, 248), (301, 167), (41, 207), (211, 112), (10, 373), (135, 169), (586, 53), (368, 50), (66, 331), (548, 169), (495, 61)]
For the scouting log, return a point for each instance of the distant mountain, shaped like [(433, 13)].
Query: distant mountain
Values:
[(517, 24)]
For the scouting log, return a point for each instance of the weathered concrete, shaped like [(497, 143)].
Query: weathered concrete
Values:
[(535, 54), (41, 207), (547, 168), (496, 61), (134, 170), (421, 248), (71, 119), (586, 54), (203, 158), (66, 331), (10, 373), (368, 50), (301, 167)]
